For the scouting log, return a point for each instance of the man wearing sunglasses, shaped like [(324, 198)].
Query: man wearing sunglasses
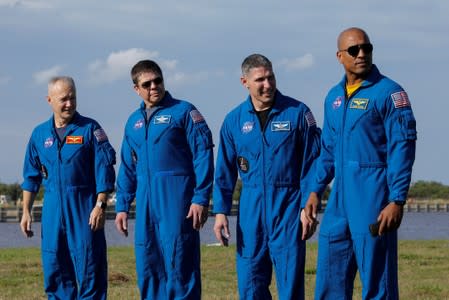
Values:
[(167, 166), (368, 148)]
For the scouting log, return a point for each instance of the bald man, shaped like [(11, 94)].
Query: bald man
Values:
[(71, 156), (368, 148)]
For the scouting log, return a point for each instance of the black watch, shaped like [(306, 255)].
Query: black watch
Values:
[(399, 202), (101, 205)]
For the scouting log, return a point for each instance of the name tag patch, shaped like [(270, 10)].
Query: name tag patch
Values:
[(359, 103), (243, 164), (163, 119), (280, 126), (74, 139)]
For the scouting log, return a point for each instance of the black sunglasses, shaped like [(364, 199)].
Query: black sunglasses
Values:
[(354, 50), (156, 81)]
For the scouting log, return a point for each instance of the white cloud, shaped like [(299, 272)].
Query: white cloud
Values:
[(44, 75), (298, 63), (118, 64), (34, 5)]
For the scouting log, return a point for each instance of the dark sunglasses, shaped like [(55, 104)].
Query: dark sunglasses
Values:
[(156, 81), (354, 50)]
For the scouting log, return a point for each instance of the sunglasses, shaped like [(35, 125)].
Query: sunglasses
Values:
[(147, 84), (354, 50)]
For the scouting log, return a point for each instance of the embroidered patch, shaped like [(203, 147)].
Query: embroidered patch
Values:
[(49, 142), (139, 124), (74, 139), (310, 119), (400, 99), (337, 102), (280, 126), (247, 127), (196, 116), (243, 164), (359, 103), (100, 135), (44, 172), (163, 119)]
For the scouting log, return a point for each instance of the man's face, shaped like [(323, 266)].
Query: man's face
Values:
[(150, 87), (360, 62), (261, 84), (62, 99)]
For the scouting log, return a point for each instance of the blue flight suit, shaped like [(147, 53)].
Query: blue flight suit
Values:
[(167, 165), (73, 172), (368, 145), (275, 164)]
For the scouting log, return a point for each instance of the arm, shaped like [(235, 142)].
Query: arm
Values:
[(201, 145), (104, 176), (25, 223), (32, 181), (225, 179), (126, 186), (400, 127), (311, 150)]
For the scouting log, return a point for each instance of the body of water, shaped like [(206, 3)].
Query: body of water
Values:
[(415, 226)]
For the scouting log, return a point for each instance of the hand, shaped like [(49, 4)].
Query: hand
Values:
[(121, 223), (390, 217), (221, 229), (97, 218), (308, 227), (199, 215), (25, 224)]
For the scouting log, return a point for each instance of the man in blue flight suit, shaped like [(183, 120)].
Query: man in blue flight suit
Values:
[(167, 166), (368, 146), (72, 157), (271, 140)]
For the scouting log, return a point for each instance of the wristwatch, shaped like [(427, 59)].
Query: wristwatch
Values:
[(399, 202), (101, 205)]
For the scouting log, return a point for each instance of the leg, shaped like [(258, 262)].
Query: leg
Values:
[(59, 272), (377, 261), (90, 260), (182, 262), (254, 275), (289, 267), (336, 265)]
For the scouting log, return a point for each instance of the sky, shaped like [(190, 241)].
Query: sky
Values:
[(200, 46)]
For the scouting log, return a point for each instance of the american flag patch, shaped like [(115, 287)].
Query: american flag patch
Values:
[(100, 135), (310, 119), (400, 99), (196, 116)]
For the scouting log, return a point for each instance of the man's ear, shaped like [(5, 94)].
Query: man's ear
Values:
[(244, 81)]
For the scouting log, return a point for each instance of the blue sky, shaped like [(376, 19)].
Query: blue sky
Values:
[(200, 46)]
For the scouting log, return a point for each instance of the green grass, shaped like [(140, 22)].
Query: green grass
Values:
[(423, 272)]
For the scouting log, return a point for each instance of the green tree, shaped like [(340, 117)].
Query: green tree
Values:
[(428, 190)]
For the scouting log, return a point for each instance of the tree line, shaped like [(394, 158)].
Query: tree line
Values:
[(418, 190)]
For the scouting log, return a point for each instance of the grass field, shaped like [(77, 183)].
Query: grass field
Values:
[(423, 272)]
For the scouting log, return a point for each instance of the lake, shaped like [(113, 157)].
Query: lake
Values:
[(415, 226)]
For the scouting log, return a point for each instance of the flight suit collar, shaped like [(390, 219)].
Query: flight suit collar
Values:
[(277, 105), (166, 101), (373, 77)]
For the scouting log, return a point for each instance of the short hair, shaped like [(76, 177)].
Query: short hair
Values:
[(255, 61), (144, 66), (66, 79)]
